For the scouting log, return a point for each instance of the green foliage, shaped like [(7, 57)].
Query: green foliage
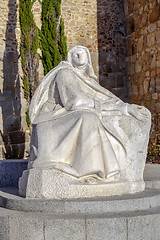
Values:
[(154, 149), (53, 41), (33, 1), (28, 47), (27, 42), (57, 4), (26, 86), (35, 44), (22, 56), (62, 42), (26, 16), (27, 118)]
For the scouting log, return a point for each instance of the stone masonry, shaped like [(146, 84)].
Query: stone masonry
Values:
[(111, 46), (80, 21), (14, 132), (99, 25), (143, 58)]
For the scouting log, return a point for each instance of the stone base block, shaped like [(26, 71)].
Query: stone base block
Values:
[(53, 184)]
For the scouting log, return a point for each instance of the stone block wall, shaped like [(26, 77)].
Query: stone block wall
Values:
[(80, 21), (99, 25), (143, 57), (14, 132), (112, 46)]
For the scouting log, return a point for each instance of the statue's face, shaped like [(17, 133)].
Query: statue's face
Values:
[(79, 57)]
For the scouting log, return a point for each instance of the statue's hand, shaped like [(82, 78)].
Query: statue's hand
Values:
[(110, 104), (138, 112)]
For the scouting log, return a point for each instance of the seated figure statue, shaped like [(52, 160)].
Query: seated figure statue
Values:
[(84, 133)]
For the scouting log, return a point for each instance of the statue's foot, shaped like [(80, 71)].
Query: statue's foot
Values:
[(91, 179), (113, 177), (95, 179)]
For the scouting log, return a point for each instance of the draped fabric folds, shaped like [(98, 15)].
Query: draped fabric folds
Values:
[(70, 127)]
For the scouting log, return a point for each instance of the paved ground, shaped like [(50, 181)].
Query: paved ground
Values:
[(152, 172)]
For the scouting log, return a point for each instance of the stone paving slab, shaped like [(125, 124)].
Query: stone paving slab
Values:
[(152, 176), (152, 172)]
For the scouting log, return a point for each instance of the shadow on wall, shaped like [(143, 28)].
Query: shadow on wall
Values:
[(112, 46), (10, 99)]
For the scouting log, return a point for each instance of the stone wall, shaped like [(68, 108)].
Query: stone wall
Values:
[(99, 25), (14, 134), (36, 9), (143, 58), (80, 20), (111, 46)]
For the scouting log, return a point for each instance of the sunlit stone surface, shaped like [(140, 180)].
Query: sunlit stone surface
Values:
[(86, 142)]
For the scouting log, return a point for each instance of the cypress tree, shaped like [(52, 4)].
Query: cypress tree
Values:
[(28, 50), (53, 40), (28, 47)]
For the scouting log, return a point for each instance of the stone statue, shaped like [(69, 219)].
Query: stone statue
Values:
[(84, 135)]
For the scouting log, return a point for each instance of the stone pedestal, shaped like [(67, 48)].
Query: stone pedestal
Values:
[(53, 184), (118, 217)]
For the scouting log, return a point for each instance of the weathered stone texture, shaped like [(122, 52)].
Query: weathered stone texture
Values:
[(14, 139), (111, 46), (11, 90), (36, 9), (80, 20), (143, 58)]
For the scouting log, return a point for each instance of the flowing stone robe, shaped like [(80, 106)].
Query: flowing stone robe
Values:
[(72, 132)]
